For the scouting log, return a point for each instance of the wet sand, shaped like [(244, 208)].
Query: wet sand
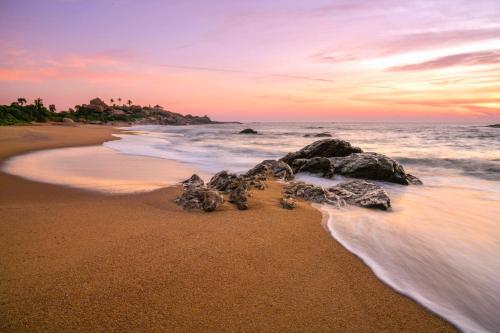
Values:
[(74, 260)]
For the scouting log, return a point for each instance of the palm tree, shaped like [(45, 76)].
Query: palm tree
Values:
[(38, 103), (21, 100), (52, 108), (129, 102), (119, 99), (111, 100)]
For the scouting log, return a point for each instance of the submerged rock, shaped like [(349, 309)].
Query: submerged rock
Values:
[(372, 166), (194, 181), (248, 131), (362, 193), (317, 165), (312, 193), (200, 198), (318, 135), (323, 148)]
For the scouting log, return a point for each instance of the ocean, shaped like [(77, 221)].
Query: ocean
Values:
[(440, 243)]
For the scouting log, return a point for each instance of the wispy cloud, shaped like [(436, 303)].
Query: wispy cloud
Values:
[(491, 57), (237, 71)]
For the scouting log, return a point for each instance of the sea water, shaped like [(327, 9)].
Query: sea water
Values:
[(440, 243)]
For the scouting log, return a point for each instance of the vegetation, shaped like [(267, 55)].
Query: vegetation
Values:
[(19, 113), (96, 112)]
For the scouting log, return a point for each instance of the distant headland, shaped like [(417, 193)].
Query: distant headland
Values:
[(95, 112)]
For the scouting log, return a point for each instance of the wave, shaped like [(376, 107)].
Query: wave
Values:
[(486, 169)]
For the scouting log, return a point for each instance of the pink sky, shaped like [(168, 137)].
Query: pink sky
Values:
[(293, 60)]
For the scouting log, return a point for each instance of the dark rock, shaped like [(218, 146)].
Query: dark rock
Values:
[(362, 193), (316, 165), (238, 196), (494, 125), (248, 131), (318, 135), (200, 198), (278, 169), (372, 166), (312, 193), (223, 181), (288, 203), (257, 184), (194, 181), (323, 148), (413, 180)]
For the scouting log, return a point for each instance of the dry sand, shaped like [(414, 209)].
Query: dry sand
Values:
[(72, 260)]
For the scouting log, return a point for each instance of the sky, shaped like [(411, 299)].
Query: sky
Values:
[(282, 60)]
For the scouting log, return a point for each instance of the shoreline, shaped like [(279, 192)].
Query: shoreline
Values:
[(86, 261)]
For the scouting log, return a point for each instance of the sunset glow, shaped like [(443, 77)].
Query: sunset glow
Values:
[(344, 60)]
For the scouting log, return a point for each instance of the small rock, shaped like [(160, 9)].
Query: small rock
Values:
[(200, 198), (239, 196), (223, 181), (318, 135), (248, 131), (194, 181), (288, 203), (278, 169)]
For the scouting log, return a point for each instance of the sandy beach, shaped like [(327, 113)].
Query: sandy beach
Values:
[(75, 260)]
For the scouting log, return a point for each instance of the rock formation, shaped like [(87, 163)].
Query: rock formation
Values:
[(278, 169), (312, 193), (323, 148), (362, 193), (317, 165), (248, 131), (372, 166), (196, 196)]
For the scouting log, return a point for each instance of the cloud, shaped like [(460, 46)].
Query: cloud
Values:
[(491, 57), (237, 71)]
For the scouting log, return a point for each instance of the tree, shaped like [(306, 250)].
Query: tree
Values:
[(21, 100), (52, 108), (38, 103), (112, 101), (119, 99), (129, 102)]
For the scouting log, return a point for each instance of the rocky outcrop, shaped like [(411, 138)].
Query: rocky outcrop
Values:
[(223, 181), (239, 196), (248, 131), (194, 180), (317, 165), (318, 135), (494, 125), (323, 148), (278, 169), (312, 193), (196, 196), (372, 166), (362, 193)]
